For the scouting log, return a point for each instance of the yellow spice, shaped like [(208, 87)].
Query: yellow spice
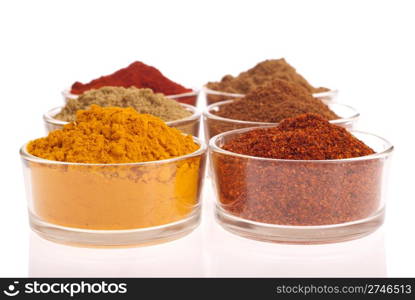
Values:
[(113, 197)]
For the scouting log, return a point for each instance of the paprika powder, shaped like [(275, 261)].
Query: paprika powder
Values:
[(138, 75)]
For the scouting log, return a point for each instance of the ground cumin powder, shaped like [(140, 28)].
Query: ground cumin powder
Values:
[(262, 73), (142, 100), (108, 195), (297, 190)]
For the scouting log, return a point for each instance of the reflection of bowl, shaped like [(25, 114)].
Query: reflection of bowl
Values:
[(189, 125), (114, 204), (300, 201), (215, 124), (186, 98), (213, 96)]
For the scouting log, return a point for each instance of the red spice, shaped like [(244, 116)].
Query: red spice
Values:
[(292, 192), (306, 137), (138, 75)]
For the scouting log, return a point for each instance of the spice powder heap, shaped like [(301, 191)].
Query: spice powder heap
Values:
[(293, 192), (113, 135), (306, 137), (274, 102), (108, 196), (142, 100), (262, 73), (137, 74)]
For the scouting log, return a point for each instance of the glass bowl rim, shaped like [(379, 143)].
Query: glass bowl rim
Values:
[(29, 157), (207, 113), (48, 118), (215, 148), (237, 95), (66, 93)]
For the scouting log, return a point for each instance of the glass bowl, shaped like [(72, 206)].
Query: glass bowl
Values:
[(189, 125), (186, 98), (213, 96), (114, 204), (300, 201), (215, 124), (190, 98)]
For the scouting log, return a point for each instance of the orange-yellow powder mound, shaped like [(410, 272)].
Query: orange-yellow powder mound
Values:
[(113, 135)]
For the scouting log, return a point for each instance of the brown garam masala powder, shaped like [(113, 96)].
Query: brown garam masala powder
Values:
[(274, 102), (270, 103), (291, 187), (263, 73)]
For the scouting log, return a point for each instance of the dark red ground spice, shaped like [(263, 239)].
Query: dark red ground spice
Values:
[(139, 75), (298, 192), (308, 137)]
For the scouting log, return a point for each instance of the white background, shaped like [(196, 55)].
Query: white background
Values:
[(363, 48)]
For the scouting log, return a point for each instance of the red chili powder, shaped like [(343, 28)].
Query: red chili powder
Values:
[(292, 192), (136, 74), (306, 137)]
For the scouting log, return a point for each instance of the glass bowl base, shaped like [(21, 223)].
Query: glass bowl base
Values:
[(115, 238), (287, 234)]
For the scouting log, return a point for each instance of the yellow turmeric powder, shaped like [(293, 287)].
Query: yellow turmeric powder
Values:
[(120, 196), (113, 135)]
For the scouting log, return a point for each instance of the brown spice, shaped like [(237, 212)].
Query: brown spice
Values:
[(274, 102), (261, 74), (292, 192)]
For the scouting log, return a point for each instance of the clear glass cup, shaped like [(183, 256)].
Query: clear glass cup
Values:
[(186, 98), (215, 124), (213, 96), (300, 201), (189, 125), (114, 204)]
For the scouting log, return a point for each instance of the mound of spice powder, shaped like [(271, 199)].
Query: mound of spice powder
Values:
[(114, 193), (262, 73), (113, 135), (142, 100), (274, 102), (306, 137), (137, 74), (294, 192)]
